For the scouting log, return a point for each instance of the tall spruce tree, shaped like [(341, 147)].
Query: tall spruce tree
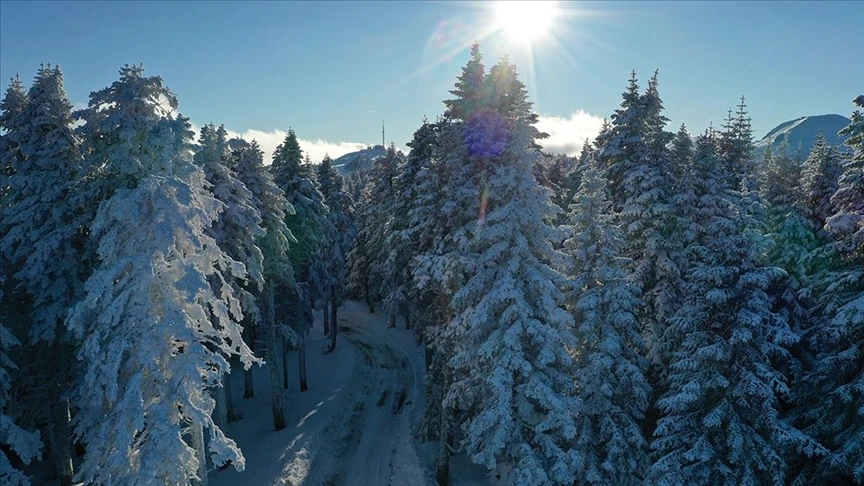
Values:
[(720, 422), (511, 368), (155, 334), (612, 391), (269, 201), (26, 445), (819, 178), (401, 240), (41, 239), (830, 395), (846, 225), (11, 107), (343, 234), (311, 228)]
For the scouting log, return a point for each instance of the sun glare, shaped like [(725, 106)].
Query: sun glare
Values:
[(524, 21)]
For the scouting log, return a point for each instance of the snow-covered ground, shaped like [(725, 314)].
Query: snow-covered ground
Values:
[(353, 425)]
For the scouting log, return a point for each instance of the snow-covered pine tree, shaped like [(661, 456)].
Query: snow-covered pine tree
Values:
[(236, 231), (846, 225), (269, 201), (612, 391), (621, 147), (381, 191), (830, 395), (780, 185), (37, 223), (681, 157), (656, 218), (24, 444), (239, 227), (11, 107), (41, 239), (511, 366), (789, 239), (360, 257), (470, 90), (155, 335), (435, 224), (720, 422), (310, 226), (735, 149), (401, 239), (344, 232), (553, 172), (819, 181)]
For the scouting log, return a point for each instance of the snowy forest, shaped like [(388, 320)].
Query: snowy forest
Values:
[(663, 309)]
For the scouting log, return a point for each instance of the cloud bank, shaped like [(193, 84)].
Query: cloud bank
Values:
[(567, 135)]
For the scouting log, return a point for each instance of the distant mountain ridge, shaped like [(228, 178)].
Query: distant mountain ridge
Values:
[(801, 132), (362, 159)]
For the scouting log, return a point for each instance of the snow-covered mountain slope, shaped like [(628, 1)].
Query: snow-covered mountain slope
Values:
[(801, 132), (361, 159)]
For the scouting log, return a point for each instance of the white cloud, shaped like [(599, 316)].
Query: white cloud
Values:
[(269, 140), (567, 135)]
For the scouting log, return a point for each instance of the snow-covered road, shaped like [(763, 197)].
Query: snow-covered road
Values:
[(371, 439), (353, 426)]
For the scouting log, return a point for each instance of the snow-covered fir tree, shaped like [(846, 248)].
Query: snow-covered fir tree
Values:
[(159, 320), (735, 150), (340, 217), (720, 422), (42, 239), (681, 157), (819, 181), (269, 201), (386, 277), (38, 222), (656, 216), (311, 227), (846, 225), (829, 396), (401, 240), (612, 391), (26, 445), (239, 227), (511, 366), (11, 107), (621, 147)]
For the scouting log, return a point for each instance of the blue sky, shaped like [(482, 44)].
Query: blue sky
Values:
[(334, 70)]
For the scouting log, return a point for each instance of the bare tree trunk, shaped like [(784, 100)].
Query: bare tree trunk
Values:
[(333, 321), (428, 357), (62, 441), (60, 432), (442, 468), (248, 385), (392, 320), (369, 301), (197, 433), (407, 319), (284, 363), (230, 414), (326, 317), (220, 413), (302, 358), (272, 357)]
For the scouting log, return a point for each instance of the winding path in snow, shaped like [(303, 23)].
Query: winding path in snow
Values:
[(370, 441), (353, 426)]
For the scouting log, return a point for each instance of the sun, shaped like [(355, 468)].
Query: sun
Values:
[(524, 21)]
